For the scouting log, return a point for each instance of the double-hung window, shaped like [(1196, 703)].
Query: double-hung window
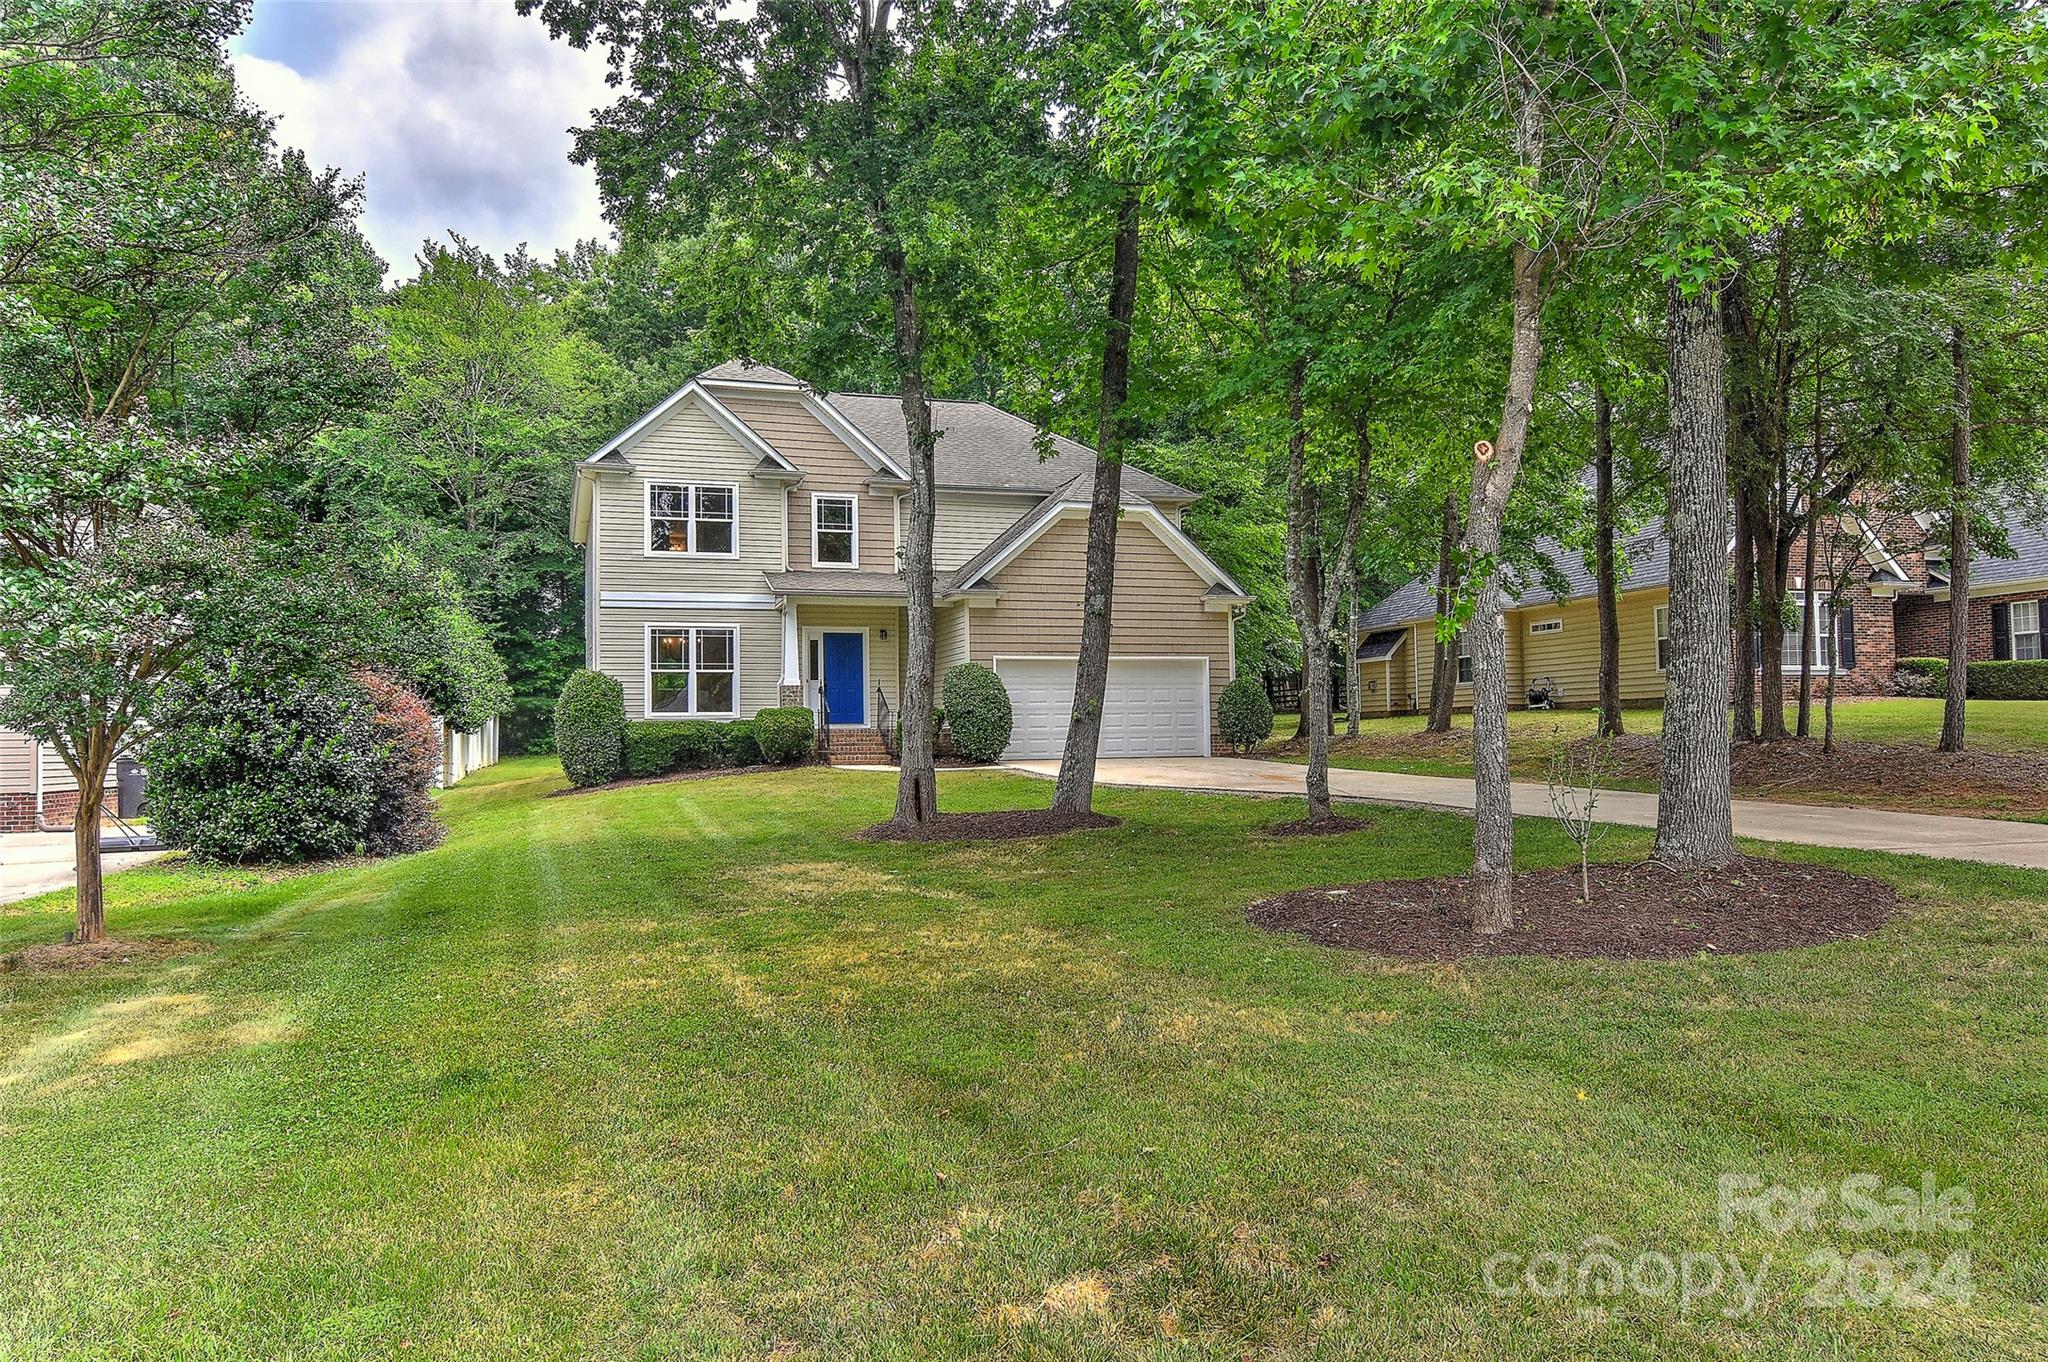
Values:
[(1663, 615), (835, 531), (692, 670), (694, 518), (2025, 622), (1815, 622), (1464, 660)]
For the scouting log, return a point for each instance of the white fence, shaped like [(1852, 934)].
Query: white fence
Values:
[(462, 753)]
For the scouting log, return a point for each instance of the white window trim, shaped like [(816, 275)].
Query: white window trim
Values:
[(1461, 659), (647, 549), (2013, 633), (1554, 625), (852, 500), (1660, 632), (647, 710), (1809, 608)]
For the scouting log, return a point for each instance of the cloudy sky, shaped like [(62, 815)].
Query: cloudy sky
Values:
[(456, 112)]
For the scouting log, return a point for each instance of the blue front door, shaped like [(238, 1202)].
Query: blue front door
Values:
[(846, 674)]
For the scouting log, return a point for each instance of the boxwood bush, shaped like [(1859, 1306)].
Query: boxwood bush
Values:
[(784, 735), (2027, 680), (1244, 714), (590, 728), (243, 770), (977, 712), (2017, 680), (742, 748), (660, 745)]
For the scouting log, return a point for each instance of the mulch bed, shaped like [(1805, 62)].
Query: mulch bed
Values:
[(1643, 911), (1335, 824), (65, 956), (998, 825)]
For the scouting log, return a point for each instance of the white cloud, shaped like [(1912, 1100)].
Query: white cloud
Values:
[(457, 115)]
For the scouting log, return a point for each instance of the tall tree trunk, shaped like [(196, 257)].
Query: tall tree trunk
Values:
[(1694, 820), (1443, 675), (917, 796), (1809, 639), (1603, 564), (1354, 685), (1305, 588), (1493, 478), (1954, 704), (1744, 623), (1075, 792), (91, 777)]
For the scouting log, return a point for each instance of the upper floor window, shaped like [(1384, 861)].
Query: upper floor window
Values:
[(835, 531), (1663, 617), (699, 518)]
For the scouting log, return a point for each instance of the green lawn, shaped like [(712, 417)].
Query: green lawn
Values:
[(684, 1071)]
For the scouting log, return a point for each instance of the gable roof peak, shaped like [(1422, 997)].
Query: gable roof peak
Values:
[(742, 370)]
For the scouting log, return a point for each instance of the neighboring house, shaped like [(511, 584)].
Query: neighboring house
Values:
[(36, 788), (741, 548), (1898, 607)]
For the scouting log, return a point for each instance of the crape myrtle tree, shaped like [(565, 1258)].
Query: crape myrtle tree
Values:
[(878, 138)]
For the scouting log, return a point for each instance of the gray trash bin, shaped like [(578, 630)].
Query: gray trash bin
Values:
[(129, 782)]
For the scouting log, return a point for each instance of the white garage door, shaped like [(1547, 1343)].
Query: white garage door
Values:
[(1151, 708)]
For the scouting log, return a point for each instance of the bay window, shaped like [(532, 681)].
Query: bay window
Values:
[(692, 518), (692, 670)]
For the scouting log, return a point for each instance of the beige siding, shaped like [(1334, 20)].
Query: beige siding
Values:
[(885, 655), (1570, 657), (688, 445), (950, 625), (1157, 610), (1384, 686), (622, 651), (829, 466), (967, 523), (17, 763)]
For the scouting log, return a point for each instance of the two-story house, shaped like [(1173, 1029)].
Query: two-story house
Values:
[(742, 547)]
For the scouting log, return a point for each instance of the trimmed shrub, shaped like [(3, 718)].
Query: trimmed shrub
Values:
[(783, 735), (2018, 680), (977, 711), (245, 770), (402, 817), (2012, 680), (742, 748), (660, 745), (1244, 714), (590, 728)]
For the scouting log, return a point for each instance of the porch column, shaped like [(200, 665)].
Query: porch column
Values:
[(791, 693)]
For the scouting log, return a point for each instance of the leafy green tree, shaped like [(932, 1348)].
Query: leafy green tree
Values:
[(880, 137)]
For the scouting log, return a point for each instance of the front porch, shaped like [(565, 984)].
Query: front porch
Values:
[(842, 659)]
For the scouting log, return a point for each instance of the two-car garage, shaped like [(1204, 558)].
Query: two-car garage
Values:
[(1152, 707)]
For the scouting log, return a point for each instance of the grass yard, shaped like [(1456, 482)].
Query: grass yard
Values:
[(684, 1070), (1886, 755)]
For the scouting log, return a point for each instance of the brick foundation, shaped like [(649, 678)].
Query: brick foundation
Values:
[(790, 697), (60, 808)]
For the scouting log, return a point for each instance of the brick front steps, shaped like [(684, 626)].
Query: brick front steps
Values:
[(857, 747)]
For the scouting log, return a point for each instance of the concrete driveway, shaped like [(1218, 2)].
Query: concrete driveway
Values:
[(34, 863), (1918, 834)]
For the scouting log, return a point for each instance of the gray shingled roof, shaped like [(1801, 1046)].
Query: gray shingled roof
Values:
[(746, 371), (1379, 645), (2029, 561), (824, 582), (984, 446), (1648, 565)]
